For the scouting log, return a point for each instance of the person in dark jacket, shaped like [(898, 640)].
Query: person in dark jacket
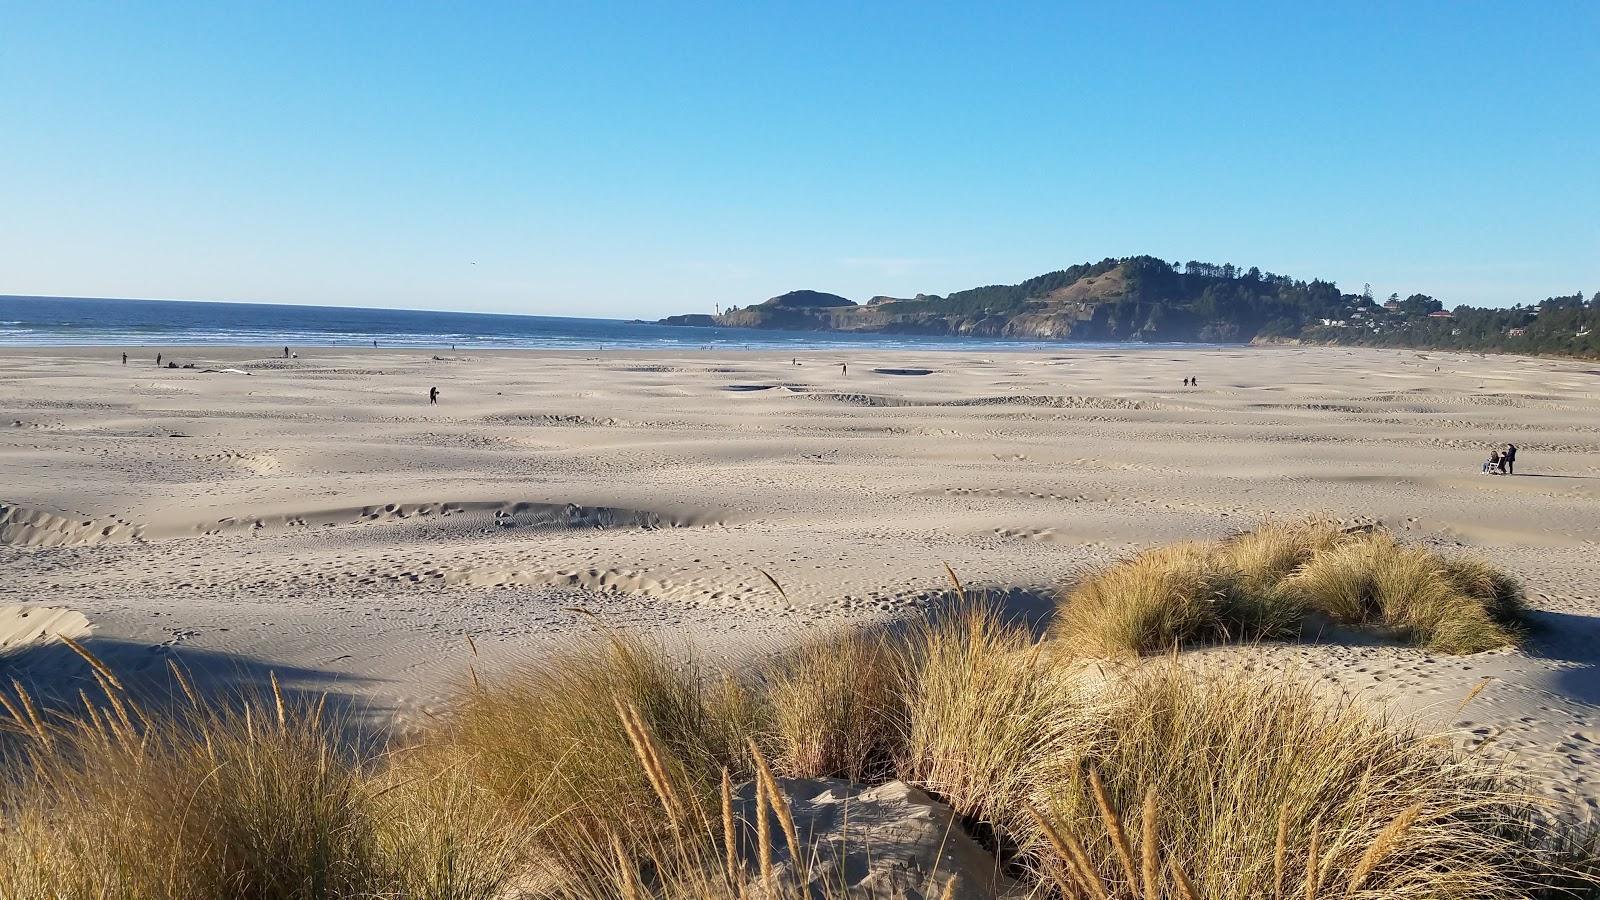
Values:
[(433, 395), (1508, 460)]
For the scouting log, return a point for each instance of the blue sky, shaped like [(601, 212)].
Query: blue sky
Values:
[(638, 160)]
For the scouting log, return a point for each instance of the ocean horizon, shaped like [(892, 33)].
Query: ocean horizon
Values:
[(28, 321)]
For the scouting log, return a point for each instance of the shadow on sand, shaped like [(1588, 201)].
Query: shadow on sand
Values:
[(1033, 608), (58, 680), (1572, 639)]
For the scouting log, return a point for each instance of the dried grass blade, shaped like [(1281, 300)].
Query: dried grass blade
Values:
[(1383, 845), (729, 850), (93, 661), (1071, 852), (780, 805), (1119, 836), (1150, 849)]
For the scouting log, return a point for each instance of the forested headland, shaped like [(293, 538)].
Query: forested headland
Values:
[(1143, 298)]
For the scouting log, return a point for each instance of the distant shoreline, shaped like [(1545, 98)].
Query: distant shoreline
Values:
[(129, 324), (32, 322), (825, 355), (266, 350)]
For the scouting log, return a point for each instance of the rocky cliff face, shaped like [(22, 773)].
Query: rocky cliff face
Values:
[(702, 320)]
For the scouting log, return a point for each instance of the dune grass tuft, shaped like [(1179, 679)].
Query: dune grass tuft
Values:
[(1264, 583), (1169, 597), (1273, 550), (986, 706), (1260, 786), (442, 834), (1441, 604), (836, 707), (548, 743), (253, 800)]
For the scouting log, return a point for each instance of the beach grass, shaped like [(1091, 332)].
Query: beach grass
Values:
[(1269, 582), (1246, 787), (1162, 599), (198, 801), (836, 707), (1434, 602), (608, 772), (550, 743), (986, 707)]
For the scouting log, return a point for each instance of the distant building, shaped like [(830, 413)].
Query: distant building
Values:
[(1441, 314), (1516, 332), (1391, 305)]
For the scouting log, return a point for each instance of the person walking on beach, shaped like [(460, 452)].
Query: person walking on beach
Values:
[(1508, 460), (433, 396), (285, 352), (158, 360), (844, 369), (124, 359)]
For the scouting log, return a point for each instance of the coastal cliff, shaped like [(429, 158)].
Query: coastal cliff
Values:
[(1143, 298), (1096, 301)]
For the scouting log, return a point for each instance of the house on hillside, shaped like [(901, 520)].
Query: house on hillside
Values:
[(1516, 332), (1441, 314), (1392, 305)]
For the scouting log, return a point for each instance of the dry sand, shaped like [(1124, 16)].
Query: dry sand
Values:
[(317, 518)]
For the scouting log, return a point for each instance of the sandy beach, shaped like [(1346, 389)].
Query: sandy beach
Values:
[(316, 517)]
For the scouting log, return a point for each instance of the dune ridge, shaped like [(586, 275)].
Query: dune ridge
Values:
[(25, 527)]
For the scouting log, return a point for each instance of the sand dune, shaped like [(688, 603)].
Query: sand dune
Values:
[(24, 625), (320, 517), (24, 527)]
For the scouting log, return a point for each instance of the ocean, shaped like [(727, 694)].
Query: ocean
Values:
[(57, 321)]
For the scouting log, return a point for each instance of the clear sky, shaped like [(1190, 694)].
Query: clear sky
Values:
[(636, 160)]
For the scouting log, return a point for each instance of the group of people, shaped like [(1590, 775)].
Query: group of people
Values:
[(433, 392), (1191, 382), (1501, 462)]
